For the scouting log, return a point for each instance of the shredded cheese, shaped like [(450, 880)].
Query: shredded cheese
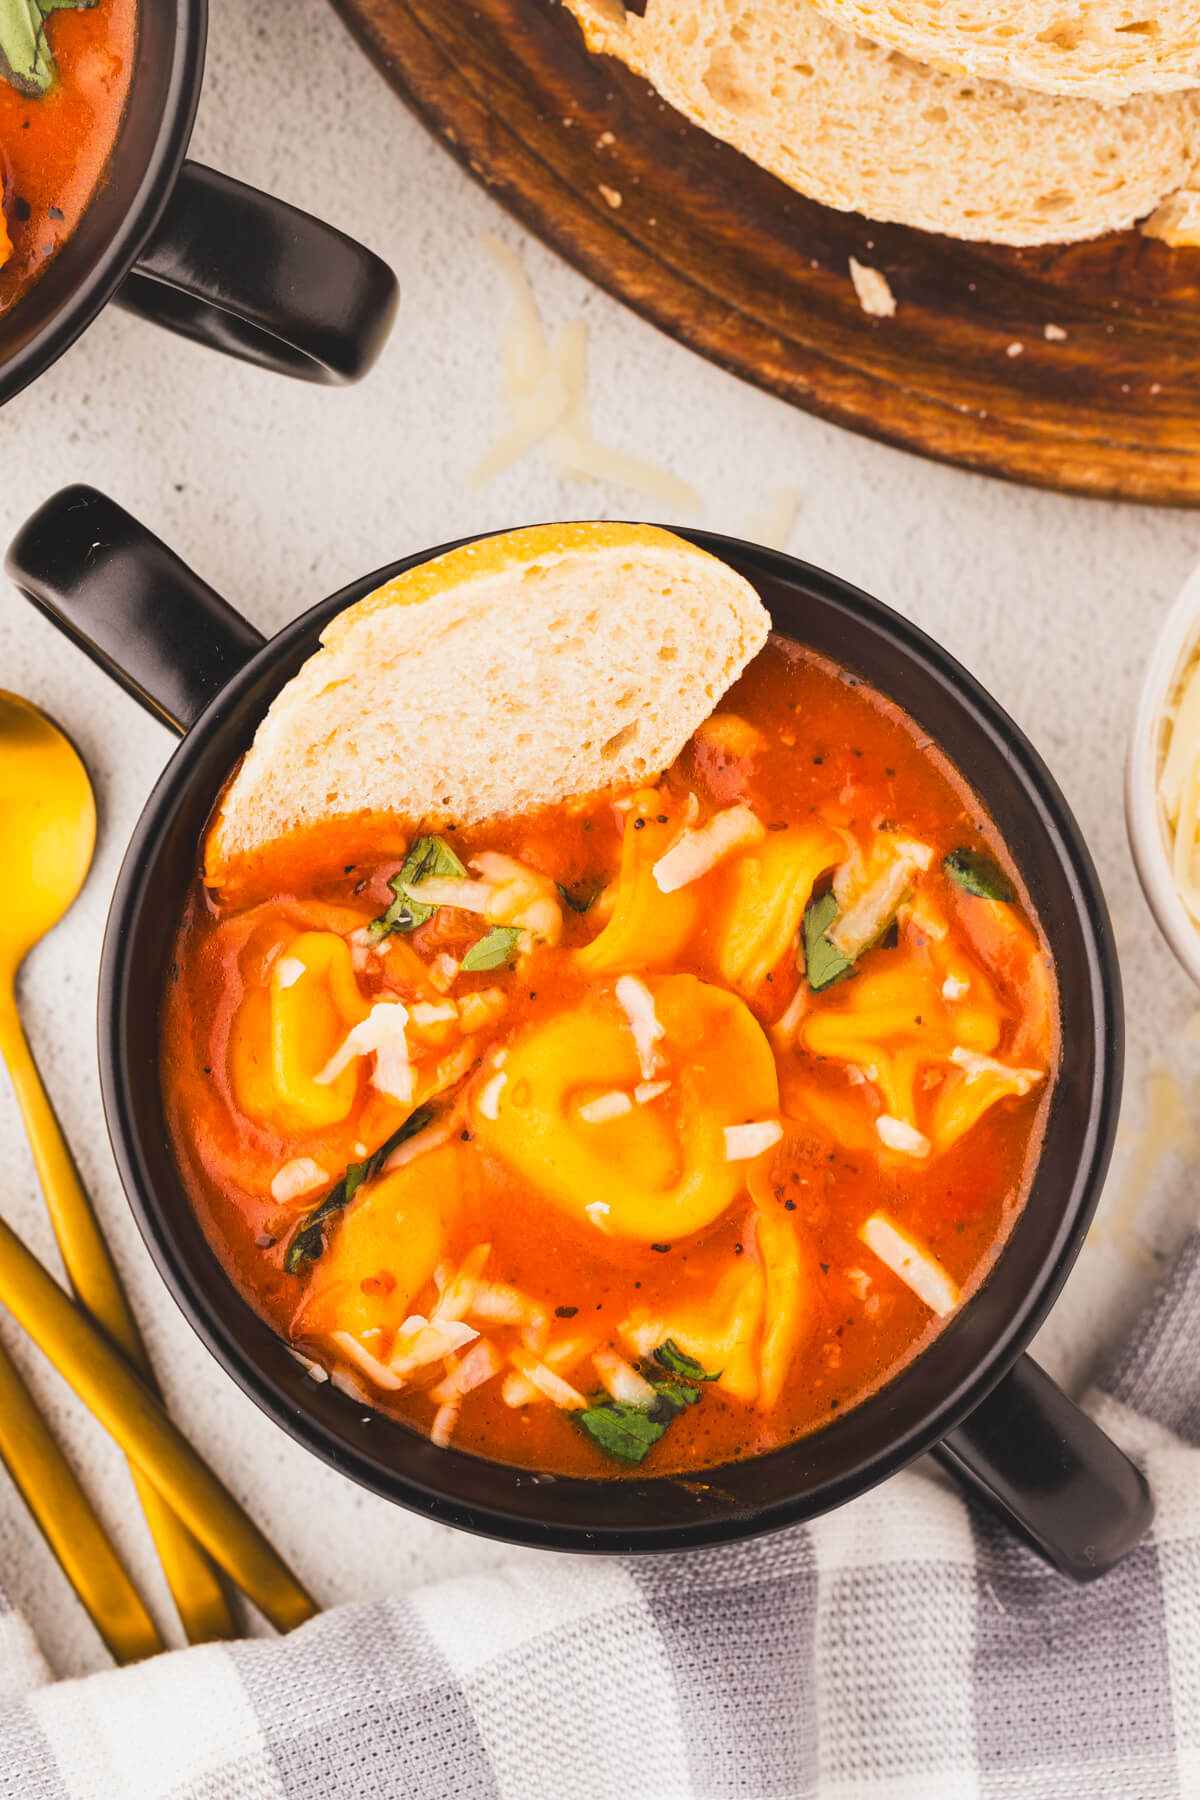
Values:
[(300, 1176), (429, 1012), (288, 971), (696, 852), (646, 1091), (438, 1133), (955, 988), (621, 1379), (371, 1367), (547, 1382), (604, 1107), (898, 1135), (381, 1033), (422, 1341), (774, 525), (488, 1101), (916, 1266), (742, 1142), (598, 1212), (637, 1003), (976, 1065)]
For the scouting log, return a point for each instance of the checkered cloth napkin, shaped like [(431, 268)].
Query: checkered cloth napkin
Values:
[(905, 1648)]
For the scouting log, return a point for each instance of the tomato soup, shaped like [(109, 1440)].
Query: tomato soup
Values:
[(60, 112), (645, 1132)]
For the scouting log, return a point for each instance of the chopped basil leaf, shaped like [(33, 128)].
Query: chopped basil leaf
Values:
[(428, 856), (309, 1241), (621, 1430), (580, 901), (627, 1431), (490, 951), (823, 964), (977, 874), (673, 1358), (26, 61)]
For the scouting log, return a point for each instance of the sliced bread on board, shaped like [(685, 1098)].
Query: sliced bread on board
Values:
[(862, 129), (1092, 49)]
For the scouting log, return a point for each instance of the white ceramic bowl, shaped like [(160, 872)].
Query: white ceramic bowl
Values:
[(1176, 643)]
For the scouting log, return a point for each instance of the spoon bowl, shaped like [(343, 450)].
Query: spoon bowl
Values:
[(47, 827), (47, 836)]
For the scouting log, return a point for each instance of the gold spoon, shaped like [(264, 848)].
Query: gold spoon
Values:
[(69, 1524), (47, 834)]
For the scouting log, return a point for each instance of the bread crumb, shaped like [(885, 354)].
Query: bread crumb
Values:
[(874, 295), (1177, 220), (610, 194), (1015, 350), (1054, 334)]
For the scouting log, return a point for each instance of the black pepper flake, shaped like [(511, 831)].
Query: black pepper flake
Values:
[(789, 1206), (818, 760), (662, 818), (833, 1405), (587, 824), (565, 1312), (207, 1069), (639, 824), (824, 1268), (889, 771), (533, 993), (737, 1249), (349, 869), (465, 1135), (661, 1248)]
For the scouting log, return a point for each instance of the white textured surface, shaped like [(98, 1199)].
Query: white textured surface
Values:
[(278, 493)]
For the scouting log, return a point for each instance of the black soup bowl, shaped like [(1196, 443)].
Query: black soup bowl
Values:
[(988, 1411), (195, 251)]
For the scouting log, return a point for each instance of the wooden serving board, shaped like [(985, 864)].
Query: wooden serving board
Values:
[(733, 263)]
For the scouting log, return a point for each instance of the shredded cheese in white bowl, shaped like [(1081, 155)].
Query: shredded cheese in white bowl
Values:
[(1162, 779)]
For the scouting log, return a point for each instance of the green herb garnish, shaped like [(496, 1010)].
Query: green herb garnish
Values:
[(428, 856), (26, 61), (490, 951), (621, 1430), (628, 1432), (580, 902), (673, 1358), (823, 962), (977, 874), (309, 1241)]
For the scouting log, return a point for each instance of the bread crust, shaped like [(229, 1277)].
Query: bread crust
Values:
[(507, 675), (851, 124)]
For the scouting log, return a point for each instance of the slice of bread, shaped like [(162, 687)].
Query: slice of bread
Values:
[(860, 128), (506, 675), (1090, 49)]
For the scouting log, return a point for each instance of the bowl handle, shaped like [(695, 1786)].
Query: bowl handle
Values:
[(1035, 1457), (261, 280), (117, 591)]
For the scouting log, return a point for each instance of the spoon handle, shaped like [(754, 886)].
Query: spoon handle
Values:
[(151, 1440), (195, 1585), (50, 1488)]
